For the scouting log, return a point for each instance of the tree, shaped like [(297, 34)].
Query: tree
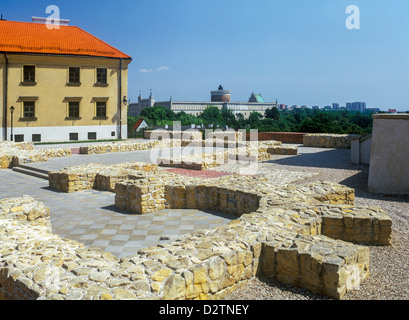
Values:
[(156, 114), (212, 115), (255, 117), (229, 118), (272, 113)]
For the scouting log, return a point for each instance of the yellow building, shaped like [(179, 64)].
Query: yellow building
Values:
[(64, 84)]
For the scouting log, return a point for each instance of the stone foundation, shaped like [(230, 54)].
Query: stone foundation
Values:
[(123, 146), (95, 176), (283, 150), (174, 135), (13, 154), (241, 152), (142, 198), (283, 232), (284, 137), (335, 141)]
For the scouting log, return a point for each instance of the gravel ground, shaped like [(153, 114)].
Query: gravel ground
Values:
[(389, 266)]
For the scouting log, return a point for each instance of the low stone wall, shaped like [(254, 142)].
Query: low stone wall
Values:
[(5, 161), (243, 152), (283, 235), (25, 210), (335, 141), (28, 146), (170, 134), (283, 150), (228, 135), (95, 176), (284, 137), (199, 161), (143, 198), (123, 146), (356, 225), (13, 154)]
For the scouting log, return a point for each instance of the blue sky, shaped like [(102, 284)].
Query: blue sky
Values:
[(296, 51)]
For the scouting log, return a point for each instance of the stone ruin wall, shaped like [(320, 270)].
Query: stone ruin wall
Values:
[(309, 236), (283, 232), (244, 152), (96, 176), (13, 154), (322, 140)]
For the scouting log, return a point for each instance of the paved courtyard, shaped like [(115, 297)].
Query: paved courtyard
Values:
[(90, 217)]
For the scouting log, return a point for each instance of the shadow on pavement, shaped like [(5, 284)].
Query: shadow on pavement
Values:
[(333, 159)]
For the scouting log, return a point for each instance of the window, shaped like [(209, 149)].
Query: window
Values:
[(112, 133), (101, 76), (28, 109), (29, 74), (73, 109), (74, 136), (36, 138), (19, 138), (92, 136), (74, 75), (101, 109)]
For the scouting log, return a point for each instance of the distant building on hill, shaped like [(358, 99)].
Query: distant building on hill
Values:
[(374, 110), (220, 95), (356, 106), (219, 98), (135, 109)]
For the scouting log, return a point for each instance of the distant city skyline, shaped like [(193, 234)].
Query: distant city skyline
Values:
[(297, 52)]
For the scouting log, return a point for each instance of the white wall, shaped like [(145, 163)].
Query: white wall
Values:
[(389, 166), (61, 134)]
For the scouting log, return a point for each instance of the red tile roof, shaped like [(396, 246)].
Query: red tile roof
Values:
[(27, 37), (137, 124)]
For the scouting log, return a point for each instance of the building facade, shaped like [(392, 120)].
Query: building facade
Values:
[(256, 103), (220, 95), (135, 109), (356, 106), (64, 84)]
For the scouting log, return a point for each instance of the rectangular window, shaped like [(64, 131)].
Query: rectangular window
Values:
[(36, 138), (74, 136), (29, 74), (101, 76), (29, 109), (19, 138), (92, 136), (101, 109), (74, 75), (73, 109)]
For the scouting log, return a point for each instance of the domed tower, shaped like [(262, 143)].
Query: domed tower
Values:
[(220, 95)]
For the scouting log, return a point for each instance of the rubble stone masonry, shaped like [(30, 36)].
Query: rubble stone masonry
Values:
[(12, 154), (296, 234), (321, 140), (311, 236)]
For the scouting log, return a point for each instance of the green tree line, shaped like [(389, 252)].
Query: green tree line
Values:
[(297, 120)]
